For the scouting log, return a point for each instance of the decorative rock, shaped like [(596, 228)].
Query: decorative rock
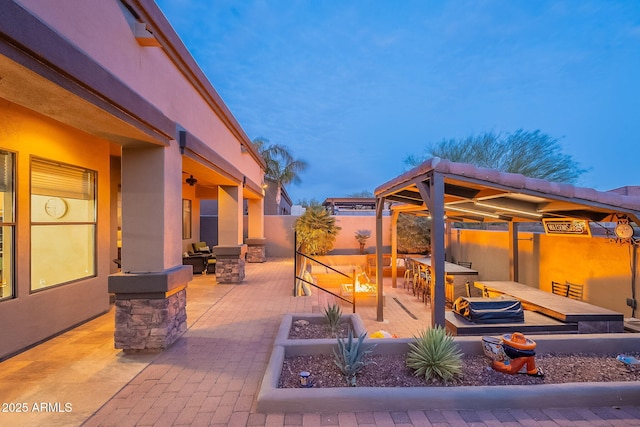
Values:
[(301, 323)]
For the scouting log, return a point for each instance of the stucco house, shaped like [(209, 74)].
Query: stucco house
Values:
[(110, 137)]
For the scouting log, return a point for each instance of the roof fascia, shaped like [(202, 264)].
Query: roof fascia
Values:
[(45, 52)]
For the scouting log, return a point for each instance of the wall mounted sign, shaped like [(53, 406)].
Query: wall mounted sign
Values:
[(567, 227)]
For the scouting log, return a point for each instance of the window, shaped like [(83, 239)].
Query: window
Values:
[(186, 219), (7, 224), (63, 223)]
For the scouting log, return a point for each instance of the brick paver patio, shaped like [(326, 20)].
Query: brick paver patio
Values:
[(211, 375)]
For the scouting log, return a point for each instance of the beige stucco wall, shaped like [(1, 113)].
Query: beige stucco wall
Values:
[(279, 234), (35, 316), (601, 265), (99, 28), (171, 89)]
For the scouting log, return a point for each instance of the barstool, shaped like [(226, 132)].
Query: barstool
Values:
[(422, 280), (408, 273)]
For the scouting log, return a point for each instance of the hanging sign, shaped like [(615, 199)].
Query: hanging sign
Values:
[(567, 227)]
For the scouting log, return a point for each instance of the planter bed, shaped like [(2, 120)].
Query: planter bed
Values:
[(274, 399), (282, 338)]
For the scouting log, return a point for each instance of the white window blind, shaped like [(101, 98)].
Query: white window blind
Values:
[(6, 171), (54, 179)]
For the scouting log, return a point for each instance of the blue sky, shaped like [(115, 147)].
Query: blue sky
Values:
[(354, 87)]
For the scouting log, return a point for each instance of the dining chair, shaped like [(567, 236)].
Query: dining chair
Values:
[(422, 279), (408, 273), (575, 291)]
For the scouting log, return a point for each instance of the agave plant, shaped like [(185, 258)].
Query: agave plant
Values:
[(434, 354), (333, 314), (350, 356)]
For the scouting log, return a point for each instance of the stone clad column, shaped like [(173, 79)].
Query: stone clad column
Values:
[(150, 290), (256, 243), (230, 252)]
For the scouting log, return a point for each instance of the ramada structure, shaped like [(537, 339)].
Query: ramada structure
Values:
[(110, 137), (456, 192)]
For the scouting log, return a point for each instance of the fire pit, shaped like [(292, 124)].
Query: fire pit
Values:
[(366, 292)]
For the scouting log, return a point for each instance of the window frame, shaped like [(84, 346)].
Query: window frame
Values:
[(187, 223), (93, 223), (12, 225)]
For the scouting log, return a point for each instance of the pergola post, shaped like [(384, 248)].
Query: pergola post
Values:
[(433, 195), (513, 251), (394, 248), (379, 276)]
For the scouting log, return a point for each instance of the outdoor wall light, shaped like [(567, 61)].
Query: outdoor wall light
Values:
[(191, 180), (243, 148)]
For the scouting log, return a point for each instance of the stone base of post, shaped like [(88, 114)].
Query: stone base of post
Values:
[(256, 250), (230, 263), (150, 308)]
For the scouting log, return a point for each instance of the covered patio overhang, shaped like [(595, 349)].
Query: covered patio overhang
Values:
[(212, 170), (458, 192)]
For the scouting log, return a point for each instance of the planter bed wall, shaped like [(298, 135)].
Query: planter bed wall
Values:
[(272, 399)]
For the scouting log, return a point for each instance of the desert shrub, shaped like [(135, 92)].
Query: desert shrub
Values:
[(350, 356), (414, 234), (333, 314), (434, 354), (316, 231)]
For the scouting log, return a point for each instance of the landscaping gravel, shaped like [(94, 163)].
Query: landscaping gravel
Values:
[(390, 370)]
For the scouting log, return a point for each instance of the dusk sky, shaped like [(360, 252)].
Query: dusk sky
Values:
[(354, 87)]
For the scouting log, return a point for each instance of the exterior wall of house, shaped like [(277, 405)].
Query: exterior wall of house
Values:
[(270, 205), (90, 95), (599, 264), (33, 316), (100, 29)]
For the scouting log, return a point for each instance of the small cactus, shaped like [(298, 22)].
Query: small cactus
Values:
[(333, 314)]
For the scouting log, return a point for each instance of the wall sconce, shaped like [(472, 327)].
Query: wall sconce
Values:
[(243, 148), (244, 181), (191, 180)]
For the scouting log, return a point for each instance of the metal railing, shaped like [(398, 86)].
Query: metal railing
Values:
[(300, 265)]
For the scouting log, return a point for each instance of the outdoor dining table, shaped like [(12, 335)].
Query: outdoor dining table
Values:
[(460, 276), (449, 267)]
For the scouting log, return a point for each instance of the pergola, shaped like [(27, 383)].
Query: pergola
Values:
[(458, 192)]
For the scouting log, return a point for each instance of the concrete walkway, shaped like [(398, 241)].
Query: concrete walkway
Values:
[(211, 375)]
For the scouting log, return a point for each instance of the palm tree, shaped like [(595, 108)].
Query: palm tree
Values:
[(282, 168)]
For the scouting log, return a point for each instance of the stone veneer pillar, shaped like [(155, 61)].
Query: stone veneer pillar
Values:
[(150, 308), (230, 263), (256, 250)]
